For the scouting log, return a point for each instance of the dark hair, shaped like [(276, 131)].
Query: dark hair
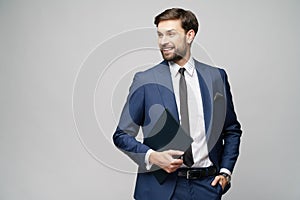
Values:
[(188, 19)]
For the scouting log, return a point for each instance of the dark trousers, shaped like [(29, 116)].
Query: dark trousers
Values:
[(198, 189)]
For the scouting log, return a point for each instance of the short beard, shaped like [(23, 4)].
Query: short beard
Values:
[(175, 57)]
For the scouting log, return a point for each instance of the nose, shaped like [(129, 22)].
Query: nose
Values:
[(163, 40)]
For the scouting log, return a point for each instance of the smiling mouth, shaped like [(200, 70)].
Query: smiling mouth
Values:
[(167, 49)]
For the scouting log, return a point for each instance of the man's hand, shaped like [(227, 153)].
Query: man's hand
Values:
[(166, 161), (220, 180)]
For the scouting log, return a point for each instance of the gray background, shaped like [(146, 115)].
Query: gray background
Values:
[(44, 44)]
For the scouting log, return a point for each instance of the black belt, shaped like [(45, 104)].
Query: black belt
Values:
[(196, 173)]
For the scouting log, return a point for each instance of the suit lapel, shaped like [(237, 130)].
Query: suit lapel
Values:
[(206, 88), (163, 78)]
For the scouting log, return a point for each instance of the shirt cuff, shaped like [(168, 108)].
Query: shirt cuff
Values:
[(224, 170), (147, 162)]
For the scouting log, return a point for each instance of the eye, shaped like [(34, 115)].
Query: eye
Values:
[(160, 35), (171, 34)]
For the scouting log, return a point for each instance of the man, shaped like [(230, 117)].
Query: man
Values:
[(198, 96)]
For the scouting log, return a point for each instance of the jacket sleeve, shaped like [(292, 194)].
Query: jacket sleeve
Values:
[(132, 117), (231, 131)]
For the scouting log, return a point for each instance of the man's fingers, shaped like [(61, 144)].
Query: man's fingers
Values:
[(215, 181), (166, 160), (172, 168), (175, 152), (177, 162)]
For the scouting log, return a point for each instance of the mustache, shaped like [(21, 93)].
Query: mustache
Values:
[(166, 46)]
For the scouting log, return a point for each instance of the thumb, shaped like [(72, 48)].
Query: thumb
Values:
[(215, 181)]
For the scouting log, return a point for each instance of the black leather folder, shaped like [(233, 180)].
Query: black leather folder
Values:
[(167, 134)]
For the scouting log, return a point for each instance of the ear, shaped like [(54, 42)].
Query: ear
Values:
[(190, 35)]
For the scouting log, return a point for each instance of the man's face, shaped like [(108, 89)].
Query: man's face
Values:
[(172, 40)]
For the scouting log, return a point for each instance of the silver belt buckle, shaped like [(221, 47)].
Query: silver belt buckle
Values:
[(189, 175)]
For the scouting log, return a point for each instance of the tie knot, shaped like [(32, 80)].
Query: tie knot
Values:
[(181, 71)]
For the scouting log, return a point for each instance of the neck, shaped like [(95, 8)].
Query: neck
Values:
[(184, 60)]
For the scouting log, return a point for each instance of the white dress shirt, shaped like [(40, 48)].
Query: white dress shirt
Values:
[(196, 116), (195, 109)]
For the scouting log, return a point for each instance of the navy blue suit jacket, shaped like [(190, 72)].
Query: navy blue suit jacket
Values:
[(150, 93)]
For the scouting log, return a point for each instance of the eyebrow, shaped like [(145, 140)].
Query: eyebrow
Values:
[(168, 31)]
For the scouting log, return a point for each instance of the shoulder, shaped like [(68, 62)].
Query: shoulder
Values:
[(205, 66), (149, 76), (211, 69), (149, 73)]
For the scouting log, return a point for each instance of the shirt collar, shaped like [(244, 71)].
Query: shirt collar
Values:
[(189, 66)]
